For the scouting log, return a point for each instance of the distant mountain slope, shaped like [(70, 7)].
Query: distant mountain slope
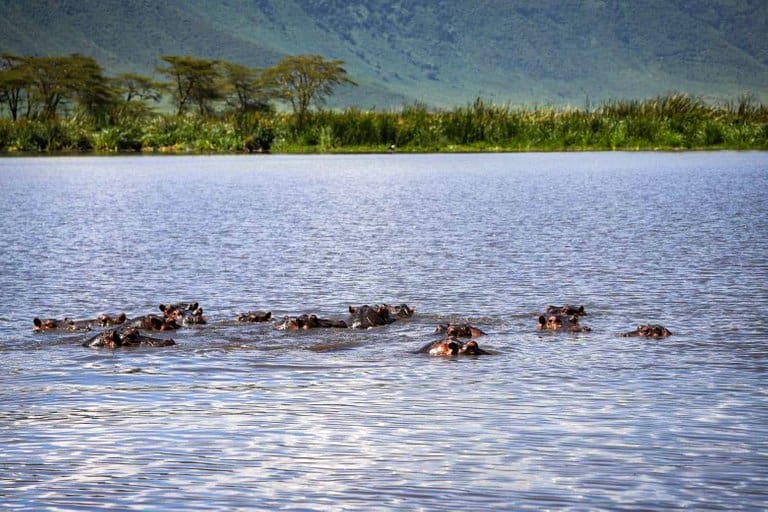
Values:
[(445, 52)]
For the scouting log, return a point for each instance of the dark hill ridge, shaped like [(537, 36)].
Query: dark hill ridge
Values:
[(443, 53)]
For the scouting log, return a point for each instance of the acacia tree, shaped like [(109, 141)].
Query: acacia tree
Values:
[(193, 82), (49, 85), (14, 82), (135, 91), (304, 80), (61, 80), (90, 89), (246, 89)]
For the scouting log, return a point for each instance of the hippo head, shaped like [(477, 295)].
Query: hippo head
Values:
[(288, 324), (471, 348), (399, 312), (107, 339), (567, 310), (104, 320), (550, 322), (557, 322), (655, 331), (195, 317), (171, 311), (366, 316), (649, 331), (310, 321), (67, 324), (156, 323), (254, 316), (45, 324), (447, 347), (459, 330), (127, 337), (130, 337), (177, 311)]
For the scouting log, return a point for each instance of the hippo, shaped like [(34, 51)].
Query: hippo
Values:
[(451, 346), (105, 320), (194, 318), (306, 322), (254, 316), (154, 323), (125, 337), (459, 330), (364, 317), (188, 313), (169, 309), (649, 331), (400, 311), (53, 324), (556, 322), (567, 310), (67, 324)]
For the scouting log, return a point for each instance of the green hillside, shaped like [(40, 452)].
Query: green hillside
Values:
[(441, 53)]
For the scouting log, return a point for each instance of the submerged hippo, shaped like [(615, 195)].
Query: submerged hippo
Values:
[(54, 324), (194, 317), (67, 324), (187, 313), (306, 322), (105, 320), (364, 317), (154, 323), (452, 347), (567, 310), (459, 330), (649, 331), (556, 322), (125, 337), (254, 316)]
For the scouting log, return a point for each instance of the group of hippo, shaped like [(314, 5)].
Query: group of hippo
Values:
[(120, 331)]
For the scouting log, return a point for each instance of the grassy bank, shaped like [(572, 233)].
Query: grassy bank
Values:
[(674, 122)]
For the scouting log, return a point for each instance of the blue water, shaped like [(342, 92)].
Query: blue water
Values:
[(244, 416)]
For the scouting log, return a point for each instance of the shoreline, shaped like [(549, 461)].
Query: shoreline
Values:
[(372, 151)]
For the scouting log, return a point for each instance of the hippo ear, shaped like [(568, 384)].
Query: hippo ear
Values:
[(581, 310), (163, 307), (353, 309), (269, 315), (194, 306), (121, 318), (542, 320), (37, 322)]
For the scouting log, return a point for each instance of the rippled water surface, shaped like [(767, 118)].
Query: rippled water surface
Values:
[(244, 416)]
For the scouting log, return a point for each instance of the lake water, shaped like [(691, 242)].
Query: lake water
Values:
[(244, 416)]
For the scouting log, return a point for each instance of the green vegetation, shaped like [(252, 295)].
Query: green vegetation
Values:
[(67, 104), (669, 123)]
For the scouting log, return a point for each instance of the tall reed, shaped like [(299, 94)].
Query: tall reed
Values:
[(674, 121)]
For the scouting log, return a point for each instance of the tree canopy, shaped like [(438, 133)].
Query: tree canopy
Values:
[(306, 79), (43, 88)]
